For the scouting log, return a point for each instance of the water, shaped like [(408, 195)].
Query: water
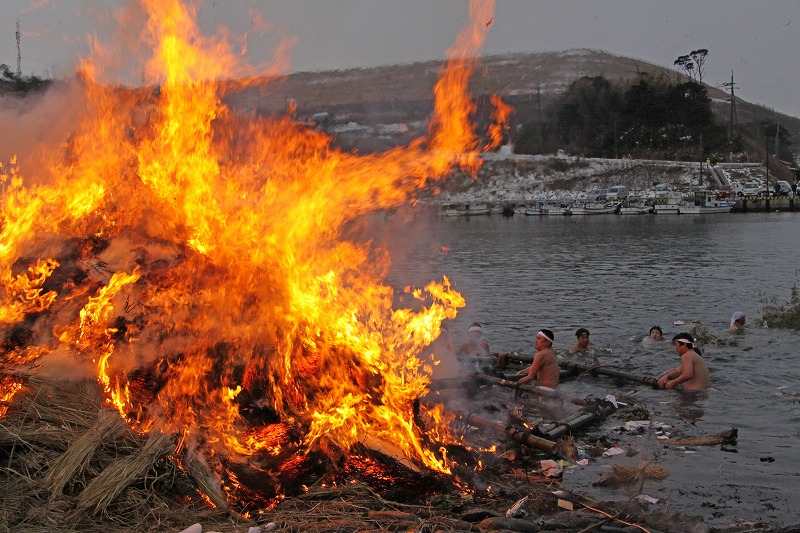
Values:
[(618, 276)]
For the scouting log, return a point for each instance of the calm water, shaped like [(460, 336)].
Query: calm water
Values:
[(618, 276)]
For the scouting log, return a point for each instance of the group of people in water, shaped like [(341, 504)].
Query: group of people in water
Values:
[(691, 375)]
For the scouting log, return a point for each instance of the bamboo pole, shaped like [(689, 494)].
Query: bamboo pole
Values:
[(647, 380)]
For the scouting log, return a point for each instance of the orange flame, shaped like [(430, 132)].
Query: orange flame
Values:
[(222, 236)]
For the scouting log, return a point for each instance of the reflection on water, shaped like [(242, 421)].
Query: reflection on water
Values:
[(618, 276)]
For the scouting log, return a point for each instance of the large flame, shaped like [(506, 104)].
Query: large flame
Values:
[(214, 243)]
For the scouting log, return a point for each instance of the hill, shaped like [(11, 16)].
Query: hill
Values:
[(371, 109)]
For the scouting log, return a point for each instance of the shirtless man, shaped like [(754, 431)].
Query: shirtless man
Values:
[(583, 343), (475, 346), (737, 321), (544, 368), (693, 372)]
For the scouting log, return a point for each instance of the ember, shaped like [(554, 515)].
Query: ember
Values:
[(197, 263)]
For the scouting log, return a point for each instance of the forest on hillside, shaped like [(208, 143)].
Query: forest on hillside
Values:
[(648, 118)]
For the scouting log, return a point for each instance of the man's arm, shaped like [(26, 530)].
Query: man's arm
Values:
[(533, 369), (686, 372), (668, 375)]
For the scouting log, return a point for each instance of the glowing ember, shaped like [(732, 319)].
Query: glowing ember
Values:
[(208, 249)]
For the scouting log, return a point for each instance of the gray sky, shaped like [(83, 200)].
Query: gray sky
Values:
[(758, 40)]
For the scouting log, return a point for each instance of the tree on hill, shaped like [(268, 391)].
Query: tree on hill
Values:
[(13, 83), (650, 118), (692, 64)]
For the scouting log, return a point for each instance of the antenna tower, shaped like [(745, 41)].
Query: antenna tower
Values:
[(19, 53)]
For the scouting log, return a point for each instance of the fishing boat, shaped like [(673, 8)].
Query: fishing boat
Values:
[(460, 210), (705, 202), (543, 208), (592, 208), (635, 206), (536, 209), (668, 205)]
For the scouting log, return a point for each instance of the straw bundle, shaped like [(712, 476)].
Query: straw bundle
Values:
[(103, 489), (623, 475), (202, 475), (76, 459)]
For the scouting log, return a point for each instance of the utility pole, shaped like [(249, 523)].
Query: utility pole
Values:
[(777, 136), (19, 53), (539, 117), (734, 119)]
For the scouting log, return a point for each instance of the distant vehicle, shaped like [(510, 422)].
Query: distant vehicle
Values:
[(617, 192), (661, 190), (597, 195), (752, 188), (725, 191), (784, 188)]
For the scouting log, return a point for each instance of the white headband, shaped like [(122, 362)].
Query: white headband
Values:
[(474, 328), (544, 336)]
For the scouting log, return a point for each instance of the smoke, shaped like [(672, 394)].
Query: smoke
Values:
[(34, 128)]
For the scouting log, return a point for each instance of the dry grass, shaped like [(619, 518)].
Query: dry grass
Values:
[(624, 475)]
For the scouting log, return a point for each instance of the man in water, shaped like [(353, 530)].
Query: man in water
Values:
[(737, 321), (692, 375), (475, 346), (583, 343), (655, 335), (544, 368)]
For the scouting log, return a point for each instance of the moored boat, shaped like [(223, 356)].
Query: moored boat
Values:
[(668, 205), (705, 202), (635, 206), (594, 208)]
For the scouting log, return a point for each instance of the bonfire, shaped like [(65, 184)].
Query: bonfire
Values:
[(182, 307)]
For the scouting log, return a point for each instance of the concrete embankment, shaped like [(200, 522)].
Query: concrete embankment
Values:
[(763, 203)]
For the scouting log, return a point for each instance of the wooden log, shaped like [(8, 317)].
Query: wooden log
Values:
[(604, 371), (499, 430), (514, 357), (539, 391), (597, 410)]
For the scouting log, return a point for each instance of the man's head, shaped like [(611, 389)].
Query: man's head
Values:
[(544, 339), (683, 342), (737, 319), (475, 331), (655, 333), (583, 336)]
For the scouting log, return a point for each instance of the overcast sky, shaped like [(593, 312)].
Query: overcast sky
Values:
[(758, 40)]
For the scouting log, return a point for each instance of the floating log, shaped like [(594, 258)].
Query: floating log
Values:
[(647, 380), (726, 437), (594, 411), (539, 391)]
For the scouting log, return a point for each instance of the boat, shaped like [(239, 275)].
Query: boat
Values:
[(635, 206), (592, 208), (456, 210), (705, 202), (541, 207), (557, 210), (537, 209), (668, 205)]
